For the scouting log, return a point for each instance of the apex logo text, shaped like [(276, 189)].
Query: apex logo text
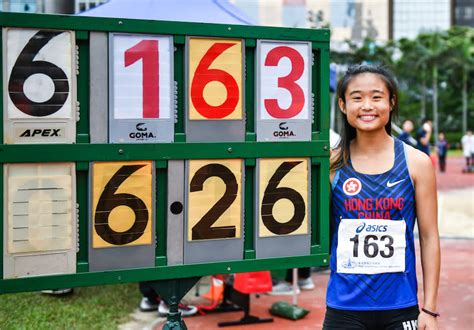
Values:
[(47, 132)]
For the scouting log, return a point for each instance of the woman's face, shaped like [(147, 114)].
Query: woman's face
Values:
[(367, 103)]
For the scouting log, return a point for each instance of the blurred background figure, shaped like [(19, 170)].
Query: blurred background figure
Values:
[(423, 136), (405, 136), (442, 150), (285, 288), (467, 142)]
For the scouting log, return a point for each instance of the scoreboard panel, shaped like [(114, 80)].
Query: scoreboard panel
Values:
[(139, 150)]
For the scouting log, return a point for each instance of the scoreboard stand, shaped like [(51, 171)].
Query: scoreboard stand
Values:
[(242, 300), (172, 291)]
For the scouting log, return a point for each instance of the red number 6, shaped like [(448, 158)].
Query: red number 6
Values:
[(204, 75)]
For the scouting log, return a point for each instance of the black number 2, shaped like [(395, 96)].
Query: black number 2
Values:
[(273, 193), (25, 67), (109, 200), (203, 229)]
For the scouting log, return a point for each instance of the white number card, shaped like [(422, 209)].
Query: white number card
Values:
[(367, 246)]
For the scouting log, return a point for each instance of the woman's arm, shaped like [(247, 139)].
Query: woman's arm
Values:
[(424, 179)]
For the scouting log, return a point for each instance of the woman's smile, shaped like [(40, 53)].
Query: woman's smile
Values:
[(367, 118)]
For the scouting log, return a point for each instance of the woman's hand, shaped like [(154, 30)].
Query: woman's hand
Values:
[(427, 322)]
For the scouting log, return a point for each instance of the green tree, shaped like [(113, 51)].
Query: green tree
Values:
[(369, 51), (412, 68), (434, 52), (461, 62)]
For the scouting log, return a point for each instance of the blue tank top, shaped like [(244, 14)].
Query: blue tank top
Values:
[(389, 196)]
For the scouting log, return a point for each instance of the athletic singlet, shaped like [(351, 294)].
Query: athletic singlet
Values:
[(364, 279)]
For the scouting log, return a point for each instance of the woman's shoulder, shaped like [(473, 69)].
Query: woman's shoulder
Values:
[(418, 161), (334, 154)]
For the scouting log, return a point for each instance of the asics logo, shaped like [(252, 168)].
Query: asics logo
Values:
[(391, 184)]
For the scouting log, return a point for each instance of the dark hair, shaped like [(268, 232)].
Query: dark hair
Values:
[(348, 132), (424, 120)]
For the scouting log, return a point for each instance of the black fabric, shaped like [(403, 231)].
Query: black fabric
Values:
[(394, 319), (303, 273), (148, 292)]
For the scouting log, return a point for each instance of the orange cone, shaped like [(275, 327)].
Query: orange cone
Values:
[(215, 294)]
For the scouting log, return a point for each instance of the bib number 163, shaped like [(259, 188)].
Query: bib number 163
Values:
[(367, 246)]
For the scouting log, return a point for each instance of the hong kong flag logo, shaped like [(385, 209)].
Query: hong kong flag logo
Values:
[(352, 186)]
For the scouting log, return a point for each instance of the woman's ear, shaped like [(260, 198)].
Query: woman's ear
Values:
[(392, 104), (342, 105)]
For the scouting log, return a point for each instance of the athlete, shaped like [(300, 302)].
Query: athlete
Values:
[(380, 186)]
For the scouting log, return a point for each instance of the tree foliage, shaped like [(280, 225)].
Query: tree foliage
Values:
[(435, 72)]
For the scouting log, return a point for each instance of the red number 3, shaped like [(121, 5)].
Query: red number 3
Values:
[(204, 75), (288, 82)]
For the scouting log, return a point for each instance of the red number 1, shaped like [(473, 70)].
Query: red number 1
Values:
[(288, 82), (147, 51)]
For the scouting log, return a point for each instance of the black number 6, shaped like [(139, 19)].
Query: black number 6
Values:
[(273, 193), (109, 200), (25, 67)]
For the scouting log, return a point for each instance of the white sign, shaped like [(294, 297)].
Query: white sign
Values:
[(367, 246), (40, 73), (284, 80), (40, 227), (142, 76)]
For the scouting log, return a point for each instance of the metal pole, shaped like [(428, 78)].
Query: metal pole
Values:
[(295, 286)]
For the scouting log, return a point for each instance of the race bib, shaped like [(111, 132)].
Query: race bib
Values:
[(367, 246)]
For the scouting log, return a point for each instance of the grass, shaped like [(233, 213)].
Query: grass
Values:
[(101, 307), (455, 153)]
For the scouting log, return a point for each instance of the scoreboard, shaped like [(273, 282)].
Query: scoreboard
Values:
[(137, 150)]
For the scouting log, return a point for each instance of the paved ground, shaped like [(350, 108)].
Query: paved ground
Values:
[(454, 178), (456, 291)]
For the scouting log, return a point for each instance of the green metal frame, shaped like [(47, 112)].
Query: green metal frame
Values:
[(83, 152)]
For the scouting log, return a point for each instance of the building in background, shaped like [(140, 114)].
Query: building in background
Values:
[(19, 6), (355, 20), (413, 17), (294, 13), (462, 12), (347, 19), (83, 5), (49, 6)]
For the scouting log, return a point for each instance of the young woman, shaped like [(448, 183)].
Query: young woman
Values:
[(379, 187)]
